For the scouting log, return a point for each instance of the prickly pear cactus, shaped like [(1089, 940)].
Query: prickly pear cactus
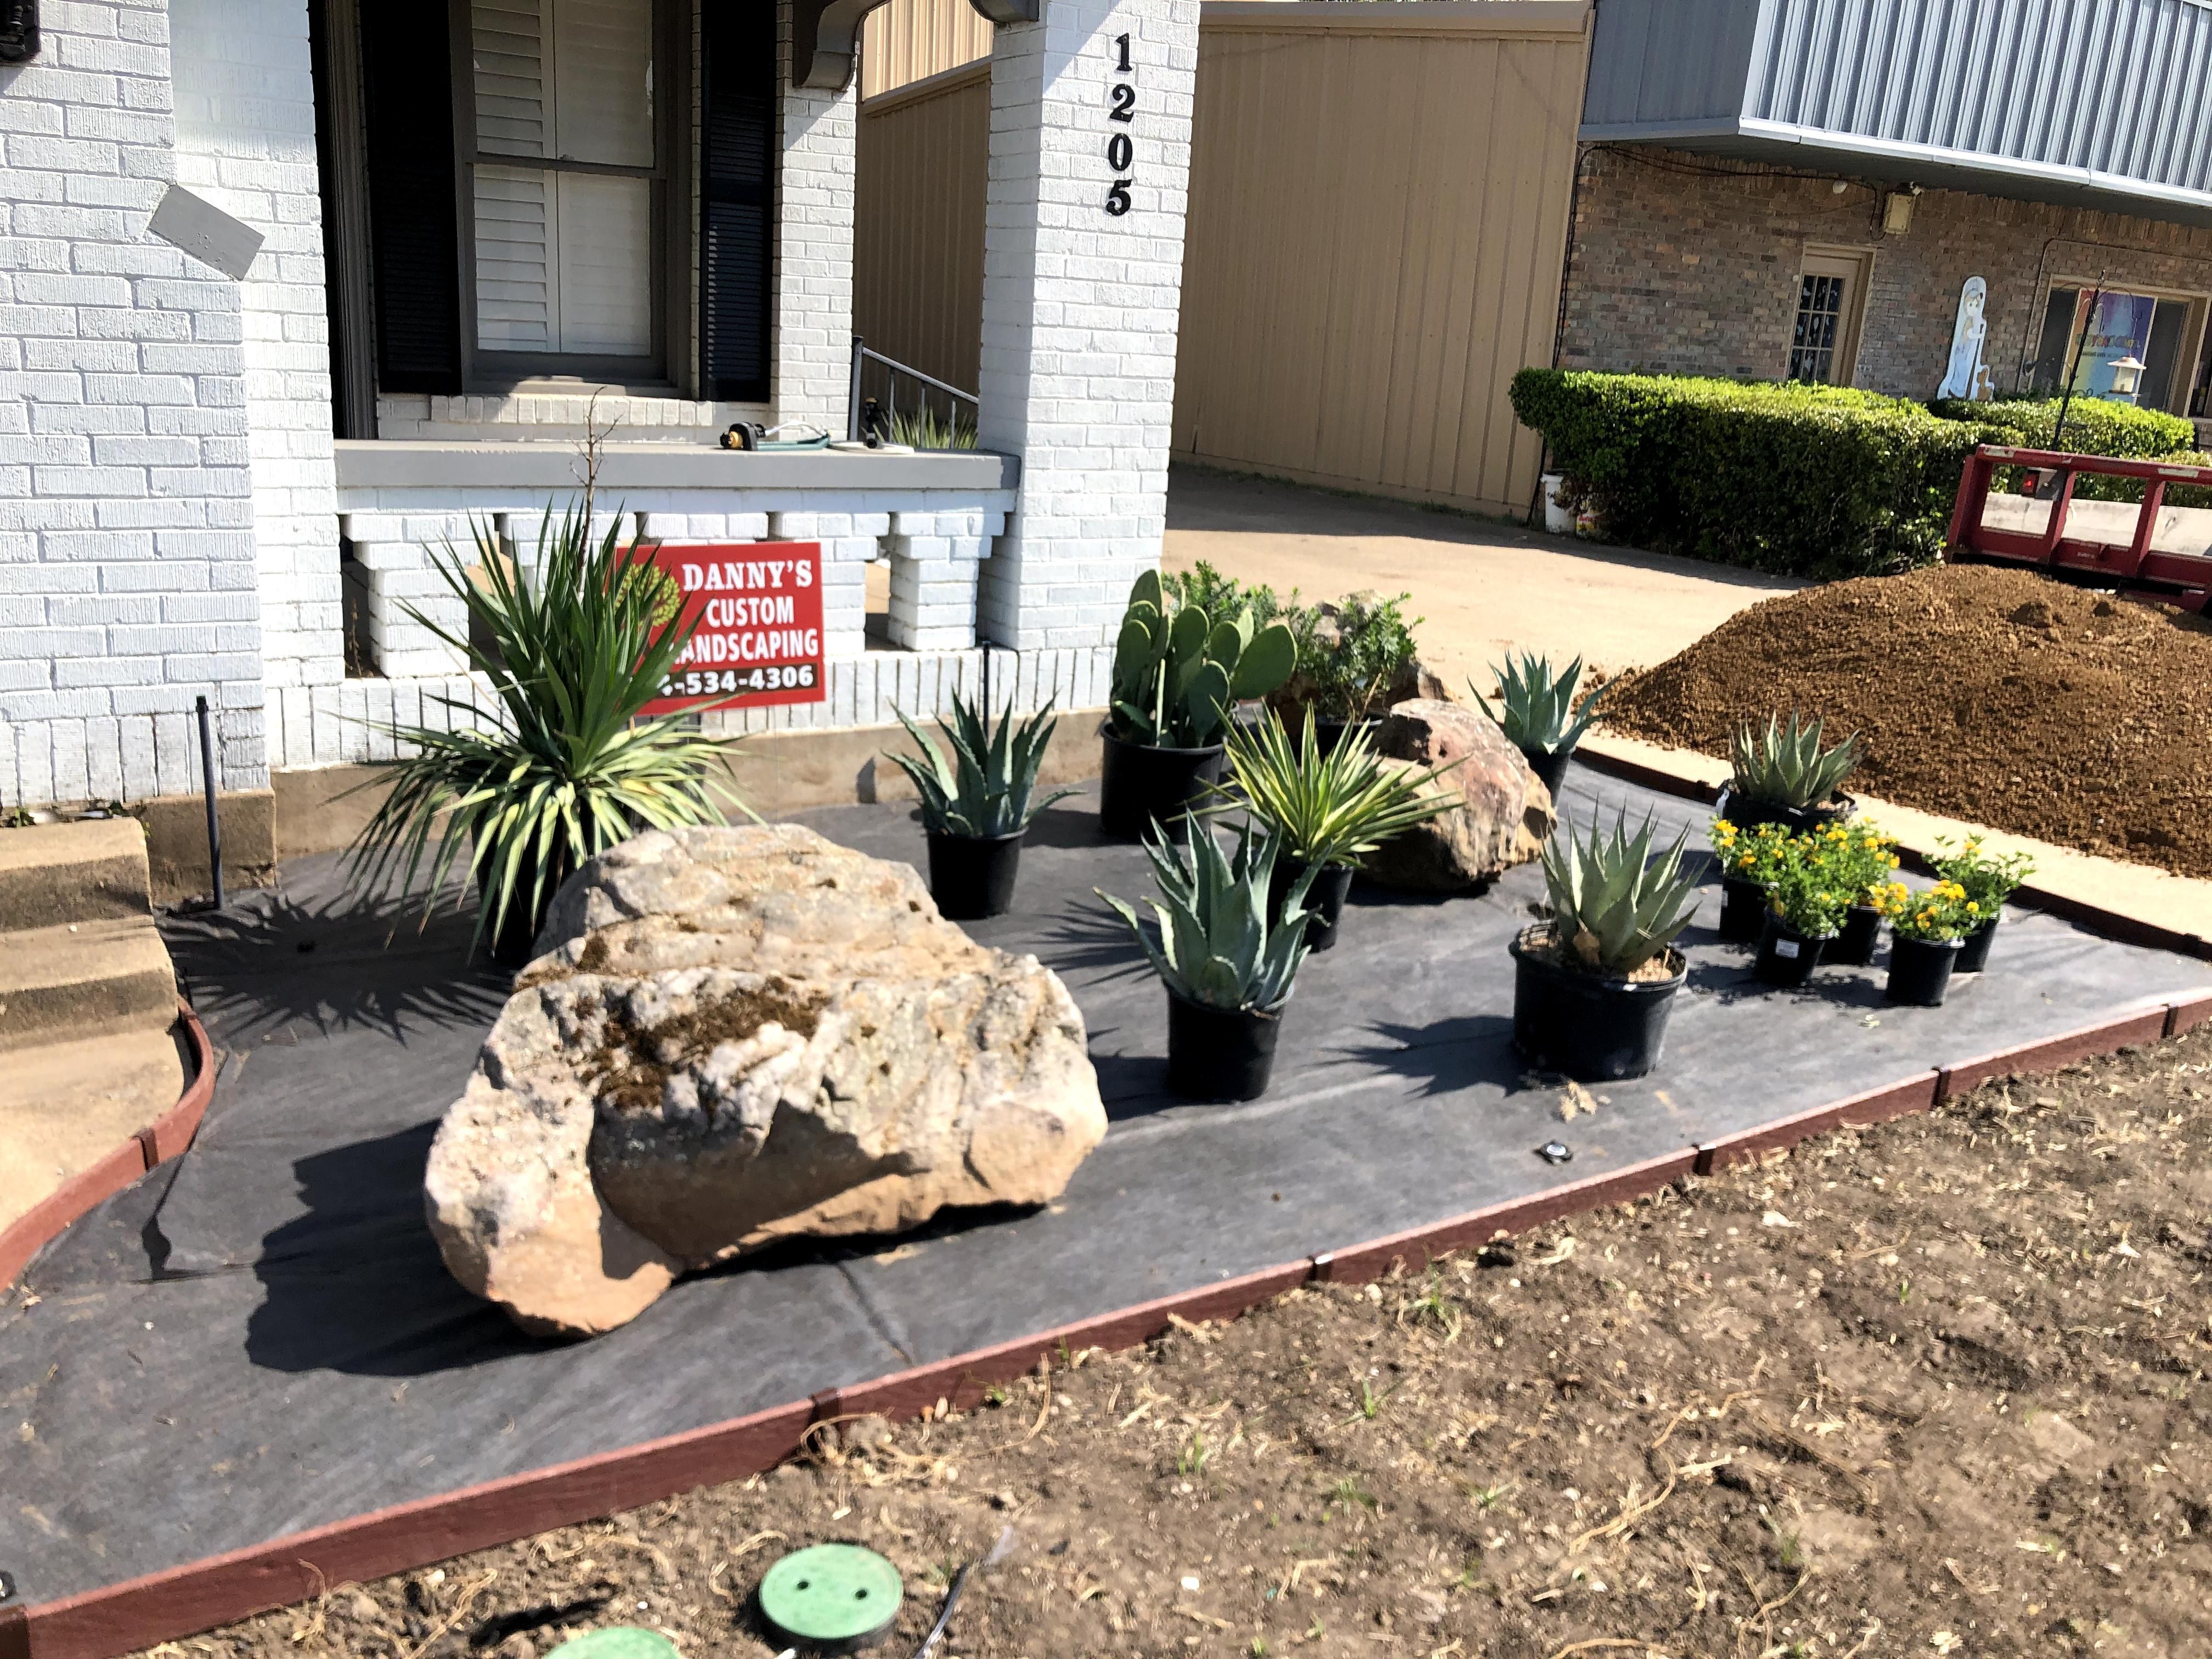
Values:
[(1177, 672)]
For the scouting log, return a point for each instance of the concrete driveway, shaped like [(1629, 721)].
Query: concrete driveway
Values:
[(1482, 584)]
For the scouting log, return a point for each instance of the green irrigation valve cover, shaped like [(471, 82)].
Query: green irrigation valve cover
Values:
[(831, 1596), (618, 1642)]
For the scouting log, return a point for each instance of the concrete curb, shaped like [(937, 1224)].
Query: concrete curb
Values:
[(166, 1137), (199, 1595)]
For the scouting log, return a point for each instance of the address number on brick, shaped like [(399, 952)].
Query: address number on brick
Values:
[(1121, 109)]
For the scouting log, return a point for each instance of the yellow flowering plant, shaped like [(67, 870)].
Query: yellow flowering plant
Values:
[(1859, 857), (1988, 880), (1749, 855), (1934, 914), (1804, 891)]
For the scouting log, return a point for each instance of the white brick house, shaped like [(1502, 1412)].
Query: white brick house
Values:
[(473, 216)]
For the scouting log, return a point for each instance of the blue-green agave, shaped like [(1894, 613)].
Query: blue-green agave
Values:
[(1536, 708), (985, 788), (1613, 906), (1213, 941)]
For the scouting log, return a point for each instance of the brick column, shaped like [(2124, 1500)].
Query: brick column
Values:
[(813, 329), (1080, 305)]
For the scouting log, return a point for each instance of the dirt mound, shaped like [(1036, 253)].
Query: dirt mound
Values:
[(1983, 694)]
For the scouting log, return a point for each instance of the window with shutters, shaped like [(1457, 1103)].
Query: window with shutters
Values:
[(567, 213)]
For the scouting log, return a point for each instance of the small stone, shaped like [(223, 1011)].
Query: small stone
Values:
[(364, 1609)]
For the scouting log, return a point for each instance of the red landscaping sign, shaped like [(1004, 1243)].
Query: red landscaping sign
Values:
[(758, 609)]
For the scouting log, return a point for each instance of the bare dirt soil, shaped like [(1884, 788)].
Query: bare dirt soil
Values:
[(1936, 1387), (1993, 695)]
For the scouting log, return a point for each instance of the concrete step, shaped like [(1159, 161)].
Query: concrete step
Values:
[(54, 874), (65, 1106), (85, 979)]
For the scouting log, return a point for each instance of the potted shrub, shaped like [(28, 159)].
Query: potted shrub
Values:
[(1748, 860), (1988, 881), (1805, 908), (976, 807), (1227, 956), (1537, 712), (1328, 808), (1176, 672), (1352, 657), (1926, 932), (562, 768), (1785, 775), (1859, 859), (1592, 984)]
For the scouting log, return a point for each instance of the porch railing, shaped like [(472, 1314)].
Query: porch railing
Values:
[(873, 401)]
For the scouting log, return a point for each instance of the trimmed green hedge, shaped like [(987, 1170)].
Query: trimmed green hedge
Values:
[(2094, 427), (1801, 480)]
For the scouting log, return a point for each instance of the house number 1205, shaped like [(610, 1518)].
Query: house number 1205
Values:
[(1121, 106)]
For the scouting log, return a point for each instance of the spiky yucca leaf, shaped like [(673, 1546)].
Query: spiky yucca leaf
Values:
[(1787, 766), (1212, 941), (984, 790), (565, 768), (1332, 808), (1536, 708), (1613, 904)]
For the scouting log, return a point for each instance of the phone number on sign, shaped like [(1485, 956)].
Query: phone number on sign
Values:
[(782, 677)]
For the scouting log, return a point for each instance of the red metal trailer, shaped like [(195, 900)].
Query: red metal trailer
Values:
[(2147, 548)]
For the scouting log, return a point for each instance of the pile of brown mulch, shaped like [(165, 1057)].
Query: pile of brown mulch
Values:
[(1993, 695), (1936, 1387)]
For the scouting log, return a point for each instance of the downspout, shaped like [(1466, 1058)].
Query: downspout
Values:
[(1567, 260)]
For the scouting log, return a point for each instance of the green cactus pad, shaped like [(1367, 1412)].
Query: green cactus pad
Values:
[(1266, 663)]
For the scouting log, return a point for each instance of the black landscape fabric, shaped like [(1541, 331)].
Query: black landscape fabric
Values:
[(260, 1337)]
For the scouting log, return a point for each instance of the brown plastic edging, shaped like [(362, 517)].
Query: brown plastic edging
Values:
[(1412, 1250), (142, 1612), (154, 1145), (2128, 1030), (199, 1595), (1914, 1094)]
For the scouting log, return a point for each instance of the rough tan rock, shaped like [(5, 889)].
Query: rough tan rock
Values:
[(1505, 813), (736, 1035)]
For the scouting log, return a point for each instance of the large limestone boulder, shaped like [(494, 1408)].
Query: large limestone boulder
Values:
[(732, 1037), (1505, 815)]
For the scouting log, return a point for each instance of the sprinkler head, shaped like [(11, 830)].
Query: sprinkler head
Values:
[(1555, 1151)]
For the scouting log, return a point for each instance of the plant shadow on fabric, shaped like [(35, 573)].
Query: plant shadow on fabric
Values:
[(564, 767), (1447, 1055)]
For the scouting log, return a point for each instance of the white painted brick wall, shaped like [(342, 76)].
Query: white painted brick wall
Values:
[(812, 338), (1080, 309), (246, 140), (127, 577)]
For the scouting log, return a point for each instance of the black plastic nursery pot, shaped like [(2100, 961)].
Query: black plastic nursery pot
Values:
[(1220, 1054), (1139, 783), (515, 941), (1920, 969), (1324, 898), (1593, 1028), (1854, 946), (1974, 949), (1786, 957), (1552, 768), (1745, 813), (972, 877), (1743, 910), (1328, 734)]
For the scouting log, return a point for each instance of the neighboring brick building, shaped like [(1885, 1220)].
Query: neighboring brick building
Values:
[(1693, 265)]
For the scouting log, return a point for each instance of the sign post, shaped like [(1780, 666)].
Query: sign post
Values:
[(758, 612)]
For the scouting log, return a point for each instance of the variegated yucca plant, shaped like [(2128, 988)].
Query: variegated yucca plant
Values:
[(1331, 808), (1213, 941), (1613, 906)]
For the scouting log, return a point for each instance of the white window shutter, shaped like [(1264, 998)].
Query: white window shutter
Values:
[(510, 41), (605, 273), (518, 304), (603, 80)]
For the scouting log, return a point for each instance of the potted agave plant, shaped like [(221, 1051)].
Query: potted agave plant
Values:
[(1227, 956), (1987, 881), (1176, 674), (1805, 909), (1927, 930), (1748, 861), (562, 768), (1537, 712), (1859, 859), (976, 807), (1328, 807), (1786, 775), (1593, 985)]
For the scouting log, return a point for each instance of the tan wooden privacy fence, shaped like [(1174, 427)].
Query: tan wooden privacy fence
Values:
[(1378, 220)]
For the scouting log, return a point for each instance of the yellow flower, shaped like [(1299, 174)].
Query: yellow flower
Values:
[(1972, 909)]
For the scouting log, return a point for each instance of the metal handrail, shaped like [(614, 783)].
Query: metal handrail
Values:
[(853, 407)]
